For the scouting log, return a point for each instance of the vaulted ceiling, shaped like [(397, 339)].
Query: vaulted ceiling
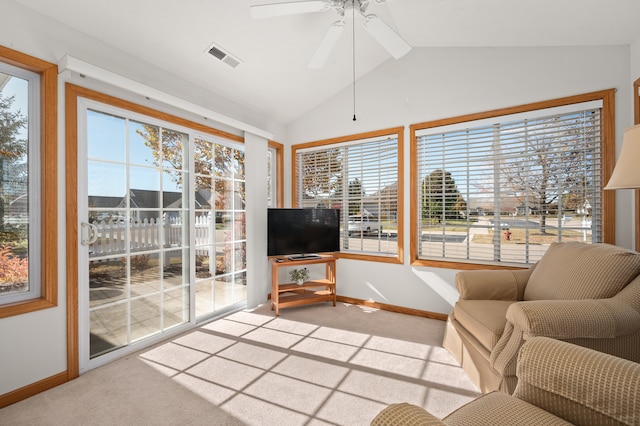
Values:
[(273, 77)]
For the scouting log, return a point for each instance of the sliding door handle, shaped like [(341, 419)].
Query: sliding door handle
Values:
[(88, 233)]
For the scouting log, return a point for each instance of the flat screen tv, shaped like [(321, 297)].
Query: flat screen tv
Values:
[(302, 233)]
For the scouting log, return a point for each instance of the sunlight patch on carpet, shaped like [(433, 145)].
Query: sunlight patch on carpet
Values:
[(314, 368)]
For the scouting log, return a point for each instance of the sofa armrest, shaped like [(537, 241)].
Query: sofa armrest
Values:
[(406, 415), (581, 385), (492, 284), (574, 319)]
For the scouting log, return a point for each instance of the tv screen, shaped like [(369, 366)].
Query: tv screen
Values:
[(302, 232)]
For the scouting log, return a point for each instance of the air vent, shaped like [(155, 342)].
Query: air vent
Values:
[(231, 61), (217, 53), (226, 57)]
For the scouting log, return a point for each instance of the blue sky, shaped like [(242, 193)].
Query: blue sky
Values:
[(19, 88), (107, 140)]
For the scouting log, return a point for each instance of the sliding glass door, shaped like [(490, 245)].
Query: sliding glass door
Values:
[(220, 237), (162, 229)]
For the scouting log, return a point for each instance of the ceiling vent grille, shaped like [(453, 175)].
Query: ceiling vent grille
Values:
[(226, 57)]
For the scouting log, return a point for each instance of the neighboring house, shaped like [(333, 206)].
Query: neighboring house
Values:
[(523, 210), (377, 204), (145, 203)]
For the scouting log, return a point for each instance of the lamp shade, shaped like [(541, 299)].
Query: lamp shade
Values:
[(626, 174)]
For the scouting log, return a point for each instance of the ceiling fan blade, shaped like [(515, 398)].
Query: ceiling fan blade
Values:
[(272, 10), (388, 38), (326, 45)]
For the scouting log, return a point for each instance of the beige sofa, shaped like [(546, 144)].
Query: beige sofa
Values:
[(558, 384), (587, 294)]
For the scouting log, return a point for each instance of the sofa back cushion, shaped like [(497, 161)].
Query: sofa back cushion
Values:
[(570, 271)]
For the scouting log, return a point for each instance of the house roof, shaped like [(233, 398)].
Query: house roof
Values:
[(142, 198), (273, 78)]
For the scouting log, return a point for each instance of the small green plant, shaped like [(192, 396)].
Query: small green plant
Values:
[(299, 275)]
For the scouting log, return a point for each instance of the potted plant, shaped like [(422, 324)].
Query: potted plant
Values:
[(299, 276)]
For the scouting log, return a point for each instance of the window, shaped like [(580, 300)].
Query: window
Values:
[(500, 190), (27, 184), (220, 193), (360, 175), (275, 186)]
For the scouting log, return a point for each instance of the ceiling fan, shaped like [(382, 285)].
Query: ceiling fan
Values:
[(378, 29)]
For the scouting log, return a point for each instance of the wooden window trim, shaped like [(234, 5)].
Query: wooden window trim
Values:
[(608, 137), (48, 180), (399, 258), (279, 148)]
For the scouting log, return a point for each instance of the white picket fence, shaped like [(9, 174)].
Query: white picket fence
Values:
[(150, 234)]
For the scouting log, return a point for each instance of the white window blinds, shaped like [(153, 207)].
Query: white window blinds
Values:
[(502, 192), (360, 178)]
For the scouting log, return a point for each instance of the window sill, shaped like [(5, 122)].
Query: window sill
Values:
[(26, 306)]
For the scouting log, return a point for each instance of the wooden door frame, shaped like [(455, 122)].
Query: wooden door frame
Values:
[(636, 120)]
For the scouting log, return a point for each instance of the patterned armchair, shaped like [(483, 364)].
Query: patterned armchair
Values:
[(559, 383), (587, 294)]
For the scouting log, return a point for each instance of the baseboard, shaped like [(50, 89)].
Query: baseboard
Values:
[(387, 307), (33, 389), (392, 308)]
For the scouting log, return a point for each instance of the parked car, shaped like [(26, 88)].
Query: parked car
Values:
[(359, 224), (503, 225)]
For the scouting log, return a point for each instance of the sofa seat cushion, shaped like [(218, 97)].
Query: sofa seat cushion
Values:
[(582, 271), (499, 408), (484, 319)]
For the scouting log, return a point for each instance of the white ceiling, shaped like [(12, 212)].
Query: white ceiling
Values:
[(273, 77)]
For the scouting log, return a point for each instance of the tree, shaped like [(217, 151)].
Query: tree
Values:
[(169, 150), (387, 198), (12, 147), (221, 162), (321, 173), (440, 197), (219, 179), (356, 194), (550, 167)]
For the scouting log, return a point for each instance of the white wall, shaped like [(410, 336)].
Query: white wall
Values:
[(257, 200), (432, 83), (26, 31), (635, 61), (33, 346)]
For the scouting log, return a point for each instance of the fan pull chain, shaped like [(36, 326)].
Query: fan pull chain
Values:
[(353, 38)]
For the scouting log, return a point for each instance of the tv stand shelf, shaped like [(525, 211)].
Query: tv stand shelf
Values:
[(312, 291)]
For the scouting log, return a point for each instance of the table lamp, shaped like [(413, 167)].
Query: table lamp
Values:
[(626, 174)]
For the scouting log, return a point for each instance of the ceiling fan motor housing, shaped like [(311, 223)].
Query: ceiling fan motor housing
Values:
[(348, 7)]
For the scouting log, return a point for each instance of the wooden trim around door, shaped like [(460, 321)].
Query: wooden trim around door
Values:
[(72, 94), (636, 120)]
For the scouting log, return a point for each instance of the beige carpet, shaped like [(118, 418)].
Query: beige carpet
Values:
[(313, 365)]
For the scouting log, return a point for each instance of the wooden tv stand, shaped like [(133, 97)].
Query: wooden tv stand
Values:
[(313, 291)]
